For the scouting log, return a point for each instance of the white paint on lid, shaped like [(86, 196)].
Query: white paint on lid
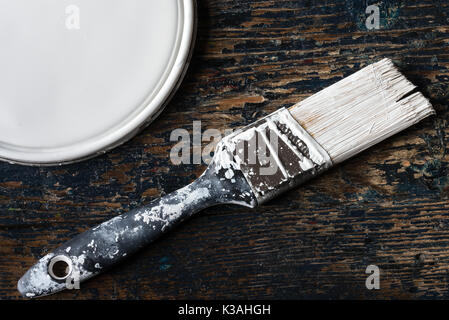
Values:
[(73, 88)]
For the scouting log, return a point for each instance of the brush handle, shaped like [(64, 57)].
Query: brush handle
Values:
[(107, 244), (98, 249)]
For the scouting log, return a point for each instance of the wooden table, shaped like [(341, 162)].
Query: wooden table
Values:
[(387, 207)]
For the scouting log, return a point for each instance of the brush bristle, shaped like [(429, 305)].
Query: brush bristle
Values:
[(361, 110)]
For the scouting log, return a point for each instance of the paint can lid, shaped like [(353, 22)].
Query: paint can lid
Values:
[(77, 80)]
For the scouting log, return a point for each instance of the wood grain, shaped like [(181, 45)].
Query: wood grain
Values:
[(388, 206)]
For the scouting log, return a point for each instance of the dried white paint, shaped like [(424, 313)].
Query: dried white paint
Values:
[(39, 282), (229, 174), (167, 213)]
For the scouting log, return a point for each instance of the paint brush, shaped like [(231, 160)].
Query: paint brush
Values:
[(250, 167)]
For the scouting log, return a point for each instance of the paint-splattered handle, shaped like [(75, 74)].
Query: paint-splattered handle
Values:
[(108, 243), (99, 248)]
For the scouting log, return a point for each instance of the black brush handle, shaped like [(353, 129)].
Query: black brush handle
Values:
[(98, 249), (113, 240)]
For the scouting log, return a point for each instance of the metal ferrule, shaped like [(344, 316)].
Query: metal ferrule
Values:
[(276, 154)]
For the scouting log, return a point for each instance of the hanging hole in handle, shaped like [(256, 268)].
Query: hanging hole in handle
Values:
[(60, 267)]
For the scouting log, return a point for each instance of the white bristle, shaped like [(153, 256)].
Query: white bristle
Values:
[(361, 110)]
